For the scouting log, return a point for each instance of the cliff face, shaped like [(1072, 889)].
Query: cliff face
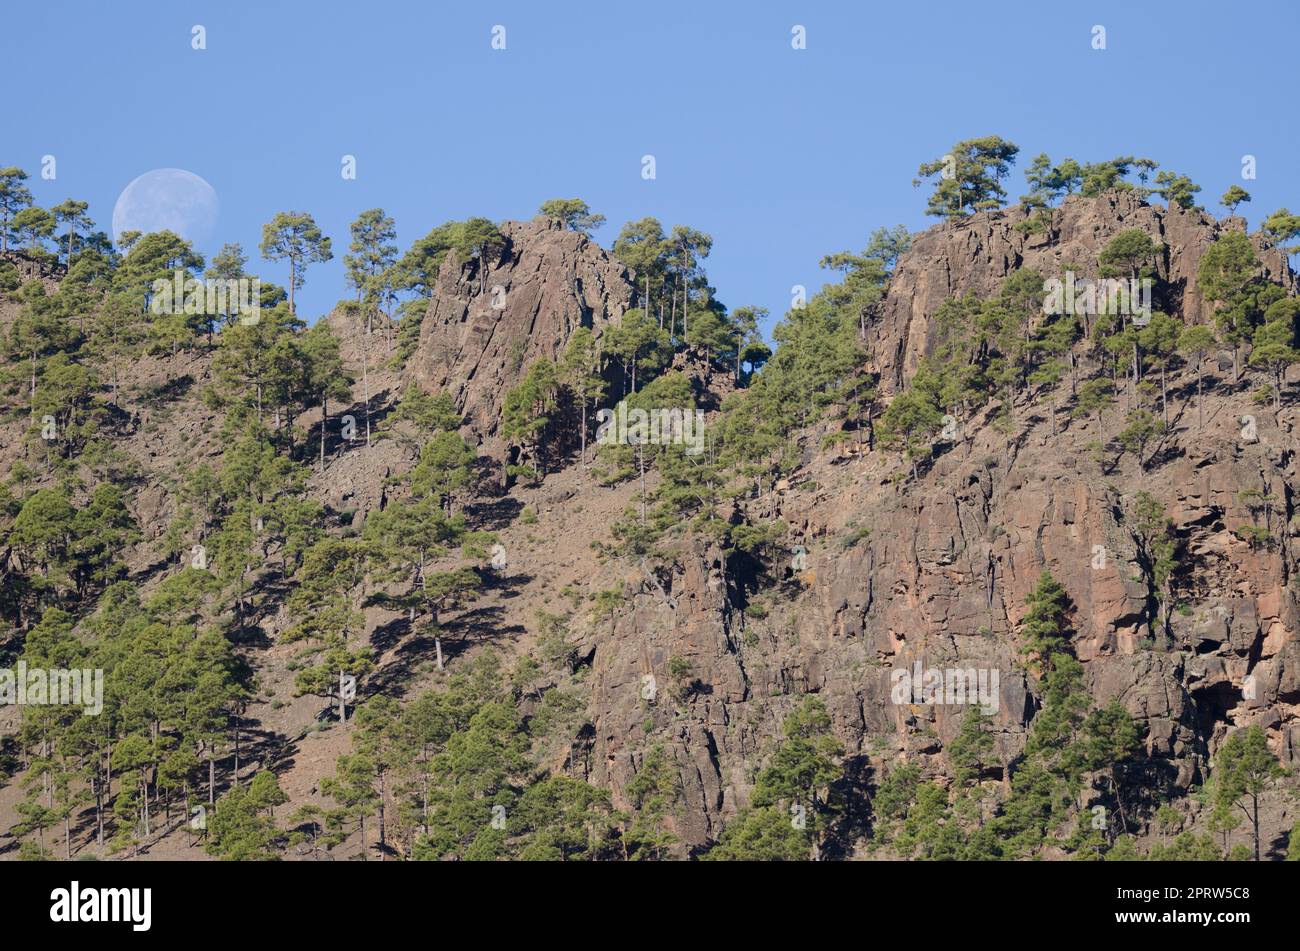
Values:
[(483, 330), (937, 572), (940, 578)]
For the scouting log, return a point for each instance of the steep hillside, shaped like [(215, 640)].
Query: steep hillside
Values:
[(679, 662)]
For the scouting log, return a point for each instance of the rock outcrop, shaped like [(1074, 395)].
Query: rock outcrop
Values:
[(484, 328), (973, 256)]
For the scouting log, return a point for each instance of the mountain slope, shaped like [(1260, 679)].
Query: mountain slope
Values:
[(706, 652)]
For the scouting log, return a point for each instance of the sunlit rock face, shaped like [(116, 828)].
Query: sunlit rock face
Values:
[(974, 255), (487, 322)]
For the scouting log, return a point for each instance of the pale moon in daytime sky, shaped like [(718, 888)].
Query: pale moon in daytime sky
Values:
[(168, 199)]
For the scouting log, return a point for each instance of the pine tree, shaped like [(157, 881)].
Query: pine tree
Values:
[(686, 246), (14, 197), (36, 335), (761, 834), (331, 569), (968, 752), (750, 348), (409, 535), (1140, 428), (1158, 340), (427, 413), (1226, 273), (1112, 744), (637, 344), (909, 424), (371, 270), (642, 246), (1129, 253), (526, 415), (1095, 178), (564, 819), (1177, 190), (32, 227), (655, 793), (579, 371), (1273, 345), (237, 830), (574, 212), (1046, 183), (293, 236), (1045, 628), (969, 176), (478, 241), (353, 787), (1279, 227), (1245, 769), (326, 377), (1233, 197), (1195, 342), (246, 360), (480, 770), (73, 214), (792, 806), (1156, 550)]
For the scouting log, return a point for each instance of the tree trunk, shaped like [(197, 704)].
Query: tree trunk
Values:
[(365, 377), (641, 458), (672, 314), (1164, 396), (686, 303), (324, 419), (1254, 819), (1200, 403), (583, 450), (382, 795)]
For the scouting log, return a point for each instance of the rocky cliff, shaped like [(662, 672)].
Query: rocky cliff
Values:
[(974, 255), (488, 321), (937, 572)]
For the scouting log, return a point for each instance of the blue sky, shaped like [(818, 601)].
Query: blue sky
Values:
[(781, 155)]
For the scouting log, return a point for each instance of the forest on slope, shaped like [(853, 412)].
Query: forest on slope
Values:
[(385, 586)]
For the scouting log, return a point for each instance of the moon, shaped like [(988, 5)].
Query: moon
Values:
[(168, 199)]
